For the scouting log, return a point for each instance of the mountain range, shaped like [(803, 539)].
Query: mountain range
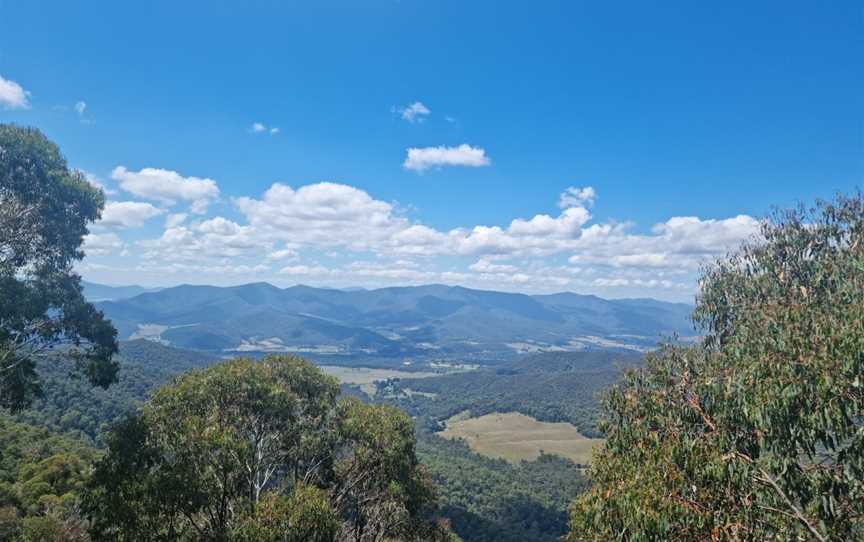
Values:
[(103, 292), (433, 320)]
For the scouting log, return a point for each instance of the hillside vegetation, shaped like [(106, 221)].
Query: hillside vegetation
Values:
[(71, 406), (756, 433), (551, 387)]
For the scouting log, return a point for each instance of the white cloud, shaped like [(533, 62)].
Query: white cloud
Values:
[(80, 107), (567, 224), (260, 127), (416, 112), (388, 271), (96, 244), (127, 214), (12, 95), (167, 186), (284, 254), (679, 243), (215, 238), (323, 214), (313, 270), (649, 259), (540, 253), (485, 266), (175, 219), (421, 159), (577, 197)]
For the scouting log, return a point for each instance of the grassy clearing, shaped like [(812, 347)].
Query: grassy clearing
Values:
[(366, 377), (516, 437)]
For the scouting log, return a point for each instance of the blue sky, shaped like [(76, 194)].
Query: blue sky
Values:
[(687, 120)]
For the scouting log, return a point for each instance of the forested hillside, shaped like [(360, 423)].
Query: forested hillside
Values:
[(69, 405), (553, 387), (485, 499), (41, 479)]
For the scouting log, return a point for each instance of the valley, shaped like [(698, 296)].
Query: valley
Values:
[(367, 378), (533, 454)]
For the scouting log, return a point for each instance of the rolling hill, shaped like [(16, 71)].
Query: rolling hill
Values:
[(103, 292), (432, 320)]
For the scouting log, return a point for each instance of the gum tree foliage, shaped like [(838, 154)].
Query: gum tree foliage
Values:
[(44, 212), (247, 450), (757, 433), (41, 475)]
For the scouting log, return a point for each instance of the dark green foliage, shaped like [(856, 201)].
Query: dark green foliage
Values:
[(44, 212), (491, 500), (755, 434), (41, 475), (304, 516), (71, 406), (212, 446)]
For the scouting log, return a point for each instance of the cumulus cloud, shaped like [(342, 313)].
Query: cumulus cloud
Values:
[(167, 187), (539, 253), (324, 214), (127, 214), (567, 224), (284, 254), (421, 159), (175, 219), (485, 266), (101, 244), (678, 243), (577, 197), (416, 112), (215, 238), (12, 95)]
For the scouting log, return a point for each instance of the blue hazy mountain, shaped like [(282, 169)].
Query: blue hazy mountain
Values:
[(433, 319), (102, 292)]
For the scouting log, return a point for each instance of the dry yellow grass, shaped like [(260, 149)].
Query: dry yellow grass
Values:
[(514, 437)]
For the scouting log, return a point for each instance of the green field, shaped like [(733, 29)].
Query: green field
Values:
[(366, 377), (516, 437)]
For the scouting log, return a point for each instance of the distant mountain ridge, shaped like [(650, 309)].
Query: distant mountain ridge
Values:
[(435, 320), (103, 292)]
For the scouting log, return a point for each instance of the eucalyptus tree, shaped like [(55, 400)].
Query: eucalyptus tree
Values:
[(261, 450), (45, 209), (756, 433)]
